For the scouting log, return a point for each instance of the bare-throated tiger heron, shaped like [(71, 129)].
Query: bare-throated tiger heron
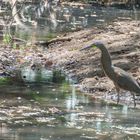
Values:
[(120, 78)]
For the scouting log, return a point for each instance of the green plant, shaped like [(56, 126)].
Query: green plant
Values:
[(4, 80), (14, 46), (6, 38)]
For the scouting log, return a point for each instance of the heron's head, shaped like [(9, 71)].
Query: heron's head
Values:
[(96, 44)]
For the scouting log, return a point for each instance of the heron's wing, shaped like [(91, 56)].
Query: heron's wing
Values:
[(125, 80)]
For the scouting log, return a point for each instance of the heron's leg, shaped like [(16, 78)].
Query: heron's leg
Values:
[(118, 92), (134, 99)]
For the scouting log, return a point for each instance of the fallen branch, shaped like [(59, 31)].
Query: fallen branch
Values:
[(46, 43)]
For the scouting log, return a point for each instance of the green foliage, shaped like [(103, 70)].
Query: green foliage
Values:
[(14, 46), (6, 39), (4, 80), (50, 36)]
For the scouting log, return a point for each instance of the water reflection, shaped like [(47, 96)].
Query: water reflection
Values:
[(72, 100), (41, 74), (46, 17), (125, 110), (58, 111), (34, 113)]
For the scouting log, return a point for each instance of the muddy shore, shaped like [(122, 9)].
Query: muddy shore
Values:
[(123, 42)]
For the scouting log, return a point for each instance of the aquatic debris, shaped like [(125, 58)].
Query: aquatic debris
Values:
[(88, 137), (92, 114), (71, 124), (22, 122), (54, 110), (129, 130), (31, 114), (44, 119)]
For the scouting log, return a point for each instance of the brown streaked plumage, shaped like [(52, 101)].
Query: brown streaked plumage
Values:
[(120, 78)]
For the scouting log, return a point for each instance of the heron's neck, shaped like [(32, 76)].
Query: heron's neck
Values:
[(106, 61)]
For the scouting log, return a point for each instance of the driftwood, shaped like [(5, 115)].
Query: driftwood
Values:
[(46, 43)]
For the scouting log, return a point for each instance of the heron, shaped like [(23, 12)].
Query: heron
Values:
[(121, 78)]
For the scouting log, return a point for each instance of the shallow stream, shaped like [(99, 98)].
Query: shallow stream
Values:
[(58, 111)]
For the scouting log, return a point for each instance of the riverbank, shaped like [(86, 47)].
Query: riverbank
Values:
[(123, 42)]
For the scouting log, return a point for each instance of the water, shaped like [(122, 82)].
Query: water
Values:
[(71, 18), (58, 111), (47, 19)]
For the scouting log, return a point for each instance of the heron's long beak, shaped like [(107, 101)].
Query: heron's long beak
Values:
[(88, 47)]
